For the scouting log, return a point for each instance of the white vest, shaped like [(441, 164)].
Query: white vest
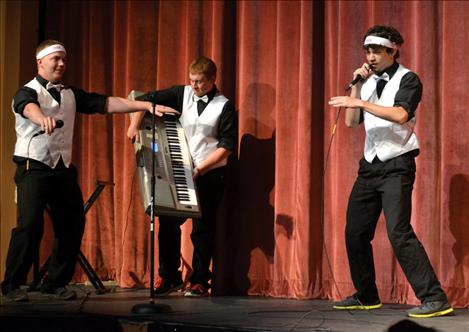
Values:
[(386, 139), (44, 148), (201, 131)]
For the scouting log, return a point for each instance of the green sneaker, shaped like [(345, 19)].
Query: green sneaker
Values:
[(431, 309), (353, 303)]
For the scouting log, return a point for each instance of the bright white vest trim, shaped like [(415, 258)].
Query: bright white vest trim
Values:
[(384, 138), (44, 148), (201, 131)]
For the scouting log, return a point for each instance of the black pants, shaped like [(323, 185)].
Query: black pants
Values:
[(38, 187), (210, 189), (387, 186)]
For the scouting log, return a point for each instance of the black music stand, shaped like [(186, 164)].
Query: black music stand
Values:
[(151, 307), (85, 265)]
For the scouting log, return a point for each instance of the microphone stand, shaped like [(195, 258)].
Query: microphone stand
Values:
[(152, 307)]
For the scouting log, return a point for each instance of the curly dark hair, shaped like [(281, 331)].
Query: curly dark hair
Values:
[(387, 32)]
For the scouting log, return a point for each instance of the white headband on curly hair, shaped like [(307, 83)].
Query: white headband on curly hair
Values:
[(375, 40), (50, 49)]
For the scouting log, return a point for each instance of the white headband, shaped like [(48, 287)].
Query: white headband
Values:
[(375, 40), (50, 49)]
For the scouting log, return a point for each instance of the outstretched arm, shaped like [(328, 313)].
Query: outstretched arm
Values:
[(353, 104), (123, 105), (34, 113), (395, 113), (132, 131)]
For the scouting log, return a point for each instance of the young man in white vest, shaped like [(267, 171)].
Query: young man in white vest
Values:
[(385, 99), (208, 119), (45, 114)]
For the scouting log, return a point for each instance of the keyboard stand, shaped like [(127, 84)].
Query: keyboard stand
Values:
[(85, 265)]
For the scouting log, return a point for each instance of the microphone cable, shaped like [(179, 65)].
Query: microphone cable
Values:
[(326, 163), (58, 124), (323, 176), (27, 152), (320, 326)]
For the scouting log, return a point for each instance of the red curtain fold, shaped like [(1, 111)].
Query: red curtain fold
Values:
[(279, 62)]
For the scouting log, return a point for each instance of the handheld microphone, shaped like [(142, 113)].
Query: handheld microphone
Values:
[(355, 81), (359, 78), (58, 124)]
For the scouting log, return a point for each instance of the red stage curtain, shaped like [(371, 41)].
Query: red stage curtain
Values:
[(279, 61)]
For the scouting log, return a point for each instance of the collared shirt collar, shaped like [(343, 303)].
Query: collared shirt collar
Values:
[(206, 98), (212, 93), (45, 82), (42, 80)]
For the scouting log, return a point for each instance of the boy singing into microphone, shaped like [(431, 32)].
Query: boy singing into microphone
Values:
[(385, 100)]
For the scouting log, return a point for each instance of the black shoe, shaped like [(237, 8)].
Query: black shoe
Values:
[(60, 293), (431, 309), (166, 287), (353, 303), (16, 295)]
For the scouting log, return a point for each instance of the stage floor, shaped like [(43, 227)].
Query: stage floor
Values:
[(113, 312)]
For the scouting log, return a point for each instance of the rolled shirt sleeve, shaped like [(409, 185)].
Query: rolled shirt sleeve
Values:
[(86, 102), (172, 97), (227, 127), (409, 94), (23, 97), (89, 102)]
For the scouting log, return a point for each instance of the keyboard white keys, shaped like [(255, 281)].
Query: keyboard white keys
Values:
[(175, 190)]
